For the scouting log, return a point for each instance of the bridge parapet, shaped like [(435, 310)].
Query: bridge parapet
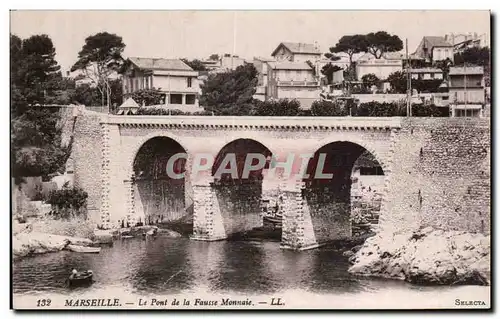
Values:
[(259, 122)]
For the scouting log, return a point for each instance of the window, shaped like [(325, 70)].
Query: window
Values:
[(432, 75), (189, 82), (175, 98), (190, 99)]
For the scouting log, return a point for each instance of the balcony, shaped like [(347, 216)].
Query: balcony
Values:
[(297, 83)]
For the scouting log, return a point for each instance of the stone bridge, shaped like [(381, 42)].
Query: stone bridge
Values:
[(123, 166)]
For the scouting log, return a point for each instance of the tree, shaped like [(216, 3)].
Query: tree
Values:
[(332, 57), (474, 56), (398, 82), (381, 42), (99, 58), (35, 129), (230, 91), (214, 57), (195, 64), (328, 70), (370, 80), (34, 71), (351, 44), (444, 65)]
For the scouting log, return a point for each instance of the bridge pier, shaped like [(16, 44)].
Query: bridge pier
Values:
[(297, 231), (208, 224)]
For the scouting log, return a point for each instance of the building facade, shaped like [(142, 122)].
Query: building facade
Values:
[(176, 80), (467, 93), (432, 49), (262, 67), (293, 80), (382, 68), (463, 41)]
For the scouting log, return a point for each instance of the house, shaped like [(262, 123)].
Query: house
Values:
[(261, 66), (427, 74), (432, 49), (296, 52), (463, 41), (228, 62), (390, 62), (175, 79), (293, 80), (211, 65), (467, 92)]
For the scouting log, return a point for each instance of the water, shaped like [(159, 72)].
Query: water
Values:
[(180, 265)]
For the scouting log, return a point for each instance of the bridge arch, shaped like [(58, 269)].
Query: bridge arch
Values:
[(343, 188), (143, 140), (160, 181), (239, 191)]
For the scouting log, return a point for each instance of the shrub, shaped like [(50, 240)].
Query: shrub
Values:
[(380, 109), (327, 108), (67, 202), (282, 107)]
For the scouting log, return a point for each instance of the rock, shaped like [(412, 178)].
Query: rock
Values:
[(355, 249), (169, 233), (139, 230), (18, 227), (426, 256), (24, 244), (103, 236), (348, 253)]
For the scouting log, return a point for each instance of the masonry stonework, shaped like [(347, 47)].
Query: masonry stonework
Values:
[(87, 155), (417, 156), (440, 176)]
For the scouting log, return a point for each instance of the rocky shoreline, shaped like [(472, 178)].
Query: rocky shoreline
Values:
[(26, 242), (426, 257)]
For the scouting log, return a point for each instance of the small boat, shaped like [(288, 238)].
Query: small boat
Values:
[(83, 249), (78, 279), (276, 221), (126, 237)]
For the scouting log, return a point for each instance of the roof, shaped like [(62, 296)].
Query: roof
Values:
[(289, 66), (298, 48), (160, 64), (460, 70), (433, 41), (429, 42), (259, 58), (129, 103)]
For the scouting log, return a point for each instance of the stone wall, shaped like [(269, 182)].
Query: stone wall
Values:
[(440, 176), (87, 157), (239, 205)]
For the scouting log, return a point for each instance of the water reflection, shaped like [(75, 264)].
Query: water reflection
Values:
[(167, 265)]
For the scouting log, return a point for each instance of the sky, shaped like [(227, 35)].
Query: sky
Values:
[(197, 34)]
